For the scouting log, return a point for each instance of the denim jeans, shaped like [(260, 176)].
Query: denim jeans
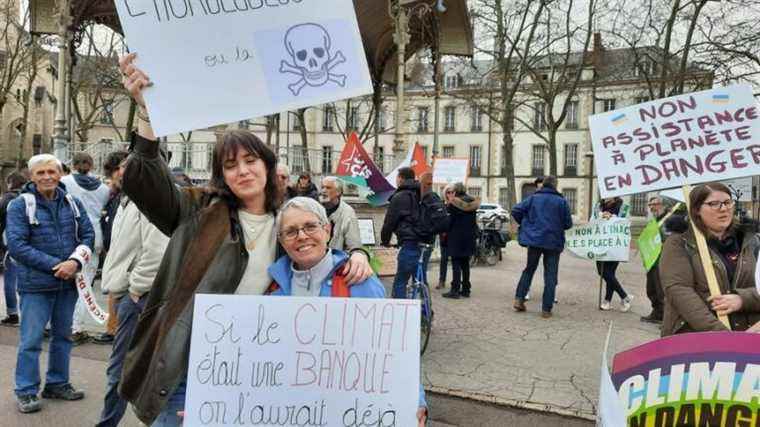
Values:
[(37, 308), (113, 405), (10, 275), (607, 269), (168, 416), (551, 270), (408, 256)]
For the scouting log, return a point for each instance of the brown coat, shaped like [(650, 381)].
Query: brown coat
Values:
[(204, 255), (686, 292)]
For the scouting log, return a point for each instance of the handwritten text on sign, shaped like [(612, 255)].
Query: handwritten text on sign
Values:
[(222, 61), (601, 240), (450, 170), (693, 138), (303, 361)]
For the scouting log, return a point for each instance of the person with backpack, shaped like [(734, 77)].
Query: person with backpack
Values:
[(461, 240), (15, 182), (51, 238), (543, 218), (400, 219)]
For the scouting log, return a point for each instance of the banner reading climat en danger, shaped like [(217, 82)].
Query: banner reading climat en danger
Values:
[(691, 380)]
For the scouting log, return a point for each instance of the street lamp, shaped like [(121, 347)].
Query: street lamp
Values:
[(401, 39), (60, 137), (589, 155)]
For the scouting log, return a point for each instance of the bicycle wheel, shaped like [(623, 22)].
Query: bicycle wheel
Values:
[(491, 256), (426, 317)]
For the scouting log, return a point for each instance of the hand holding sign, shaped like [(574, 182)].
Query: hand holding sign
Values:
[(133, 79)]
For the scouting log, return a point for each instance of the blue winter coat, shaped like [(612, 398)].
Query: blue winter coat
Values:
[(38, 248), (543, 219), (282, 274)]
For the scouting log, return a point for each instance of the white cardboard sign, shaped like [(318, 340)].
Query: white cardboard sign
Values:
[(273, 361), (693, 138), (221, 61), (601, 240), (451, 170)]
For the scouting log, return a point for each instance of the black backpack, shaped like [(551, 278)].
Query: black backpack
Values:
[(432, 216)]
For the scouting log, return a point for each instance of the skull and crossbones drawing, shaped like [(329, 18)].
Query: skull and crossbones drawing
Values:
[(309, 48)]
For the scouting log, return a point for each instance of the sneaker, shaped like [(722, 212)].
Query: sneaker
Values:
[(626, 304), (546, 314), (10, 320), (605, 305), (104, 339), (465, 294), (66, 392), (519, 305), (452, 295), (652, 318), (79, 338), (527, 297), (28, 404)]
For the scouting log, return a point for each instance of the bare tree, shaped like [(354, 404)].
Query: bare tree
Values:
[(16, 48)]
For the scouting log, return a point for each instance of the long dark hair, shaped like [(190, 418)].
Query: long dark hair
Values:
[(697, 198), (227, 147)]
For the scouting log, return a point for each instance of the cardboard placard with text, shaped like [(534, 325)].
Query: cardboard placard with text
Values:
[(451, 170), (217, 62), (601, 240), (273, 361), (693, 138)]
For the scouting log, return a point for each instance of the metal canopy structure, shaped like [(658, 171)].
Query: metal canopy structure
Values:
[(375, 24)]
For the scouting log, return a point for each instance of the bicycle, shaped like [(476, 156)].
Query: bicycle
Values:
[(419, 289)]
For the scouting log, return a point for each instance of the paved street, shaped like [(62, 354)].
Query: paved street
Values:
[(480, 349)]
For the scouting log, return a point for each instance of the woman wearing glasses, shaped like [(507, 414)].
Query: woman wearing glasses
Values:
[(223, 240), (733, 250)]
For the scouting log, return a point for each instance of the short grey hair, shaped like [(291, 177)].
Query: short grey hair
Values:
[(44, 159), (338, 183), (306, 204), (283, 167)]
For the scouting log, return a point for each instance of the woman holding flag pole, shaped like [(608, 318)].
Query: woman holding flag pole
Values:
[(733, 249)]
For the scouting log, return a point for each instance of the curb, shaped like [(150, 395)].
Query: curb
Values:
[(512, 403)]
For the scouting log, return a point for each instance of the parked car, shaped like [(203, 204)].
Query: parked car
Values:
[(493, 215)]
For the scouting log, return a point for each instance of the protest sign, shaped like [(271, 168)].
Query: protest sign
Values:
[(692, 138), (221, 61), (451, 170), (741, 187), (650, 244), (303, 361), (600, 239), (691, 380), (367, 231)]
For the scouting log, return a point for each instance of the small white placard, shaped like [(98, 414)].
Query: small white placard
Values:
[(222, 61), (601, 240), (367, 231), (259, 360), (451, 170)]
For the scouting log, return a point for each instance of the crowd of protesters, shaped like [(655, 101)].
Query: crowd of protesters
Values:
[(250, 232)]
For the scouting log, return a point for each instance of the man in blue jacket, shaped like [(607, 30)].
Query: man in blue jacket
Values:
[(51, 238), (543, 219)]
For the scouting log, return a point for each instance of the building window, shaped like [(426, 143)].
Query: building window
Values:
[(448, 152), (327, 119), (503, 197), (353, 119), (473, 191), (271, 120), (297, 121), (380, 158), (327, 160), (452, 81), (641, 99), (37, 144), (639, 204), (425, 152), (571, 159), (106, 117), (422, 119), (244, 124), (539, 116), (608, 105), (538, 160), (476, 120), (383, 119), (571, 195), (644, 68), (451, 119), (475, 160), (572, 115), (297, 160)]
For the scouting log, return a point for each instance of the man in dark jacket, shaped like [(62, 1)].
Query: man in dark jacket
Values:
[(399, 220), (15, 182), (543, 219), (50, 236)]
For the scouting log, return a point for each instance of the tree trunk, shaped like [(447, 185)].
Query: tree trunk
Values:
[(509, 166), (301, 117), (552, 134)]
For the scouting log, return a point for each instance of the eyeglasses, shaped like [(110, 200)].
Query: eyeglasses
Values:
[(310, 228), (718, 205)]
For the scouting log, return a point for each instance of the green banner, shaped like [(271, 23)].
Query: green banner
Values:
[(650, 244)]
